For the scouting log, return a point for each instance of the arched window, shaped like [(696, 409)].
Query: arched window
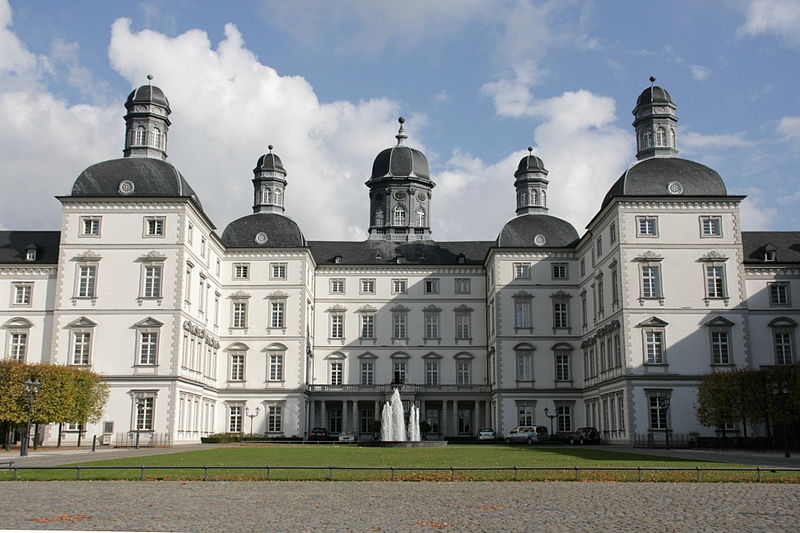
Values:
[(544, 199), (278, 197), (673, 142), (399, 216), (141, 136), (535, 197), (420, 218), (156, 138), (379, 217), (266, 196), (523, 199), (648, 139), (661, 137)]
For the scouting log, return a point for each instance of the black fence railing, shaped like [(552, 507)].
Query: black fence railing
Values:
[(513, 471), (145, 439)]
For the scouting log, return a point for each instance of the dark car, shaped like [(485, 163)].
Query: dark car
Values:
[(585, 435), (318, 434)]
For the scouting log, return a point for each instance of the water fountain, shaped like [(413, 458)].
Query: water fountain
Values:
[(394, 432)]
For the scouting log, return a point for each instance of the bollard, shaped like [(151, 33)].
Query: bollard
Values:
[(452, 474), (268, 473), (516, 473), (205, 473), (392, 473), (77, 472), (758, 469), (94, 443), (639, 468), (698, 474), (330, 473), (15, 474), (141, 472), (577, 474)]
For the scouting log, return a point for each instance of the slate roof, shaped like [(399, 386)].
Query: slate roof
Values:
[(147, 94), (530, 163), (13, 246), (380, 252), (151, 178), (281, 231), (650, 177), (786, 243), (401, 162), (521, 231), (654, 94)]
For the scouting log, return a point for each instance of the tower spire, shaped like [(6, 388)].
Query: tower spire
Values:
[(655, 123), (146, 122), (269, 184), (401, 133), (531, 185)]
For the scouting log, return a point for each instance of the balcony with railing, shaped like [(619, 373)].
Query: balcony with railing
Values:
[(406, 388)]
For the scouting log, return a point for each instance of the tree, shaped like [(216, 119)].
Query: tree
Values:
[(718, 398)]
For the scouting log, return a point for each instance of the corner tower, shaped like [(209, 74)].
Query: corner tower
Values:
[(146, 122), (400, 193), (531, 184), (656, 123), (269, 184)]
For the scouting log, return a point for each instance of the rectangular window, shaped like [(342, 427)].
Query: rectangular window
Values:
[(399, 370), (367, 286), (152, 281), (563, 418), (710, 227), (715, 282), (87, 281), (522, 313), (22, 294), (335, 418), (337, 372), (522, 270), (17, 346), (431, 372), (720, 348), (525, 366), (90, 226), (276, 367), (274, 418), (614, 287), (783, 348), (583, 267), (154, 226), (779, 293), (278, 315), (237, 367), (658, 412), (647, 226), (367, 326), (431, 325), (239, 314), (337, 286), (337, 326), (462, 286), (431, 286), (367, 373), (463, 325), (366, 417), (651, 282), (560, 315), (144, 413), (562, 367), (560, 270), (599, 246), (235, 418), (241, 271), (278, 271), (399, 286), (463, 372), (525, 413), (399, 330), (81, 345), (148, 348), (612, 233), (654, 347), (190, 233)]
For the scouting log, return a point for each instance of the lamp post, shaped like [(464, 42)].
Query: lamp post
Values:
[(551, 417), (31, 389), (250, 416), (139, 409), (665, 405), (781, 391)]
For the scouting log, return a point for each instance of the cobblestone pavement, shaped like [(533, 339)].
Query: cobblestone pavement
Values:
[(397, 507)]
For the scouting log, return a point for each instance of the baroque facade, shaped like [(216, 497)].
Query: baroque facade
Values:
[(612, 329)]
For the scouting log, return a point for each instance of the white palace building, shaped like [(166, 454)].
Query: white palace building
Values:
[(613, 328)]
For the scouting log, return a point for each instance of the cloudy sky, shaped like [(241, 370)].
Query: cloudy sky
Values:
[(324, 82)]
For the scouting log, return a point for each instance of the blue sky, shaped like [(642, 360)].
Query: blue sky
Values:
[(324, 82)]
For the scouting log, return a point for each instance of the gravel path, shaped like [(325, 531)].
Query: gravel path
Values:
[(398, 507)]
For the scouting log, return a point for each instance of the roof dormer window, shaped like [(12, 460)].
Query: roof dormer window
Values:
[(31, 254), (770, 253)]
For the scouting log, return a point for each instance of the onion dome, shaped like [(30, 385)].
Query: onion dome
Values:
[(401, 161), (148, 94), (267, 230), (537, 230), (133, 177), (269, 162), (269, 184), (530, 163), (667, 176), (654, 95)]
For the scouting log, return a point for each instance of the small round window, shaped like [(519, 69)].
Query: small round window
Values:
[(261, 238), (126, 187), (539, 240), (674, 187)]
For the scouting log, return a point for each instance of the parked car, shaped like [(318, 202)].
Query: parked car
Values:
[(318, 434), (348, 436), (529, 434), (487, 434), (585, 435)]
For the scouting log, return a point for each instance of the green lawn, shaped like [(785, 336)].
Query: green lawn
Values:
[(456, 456)]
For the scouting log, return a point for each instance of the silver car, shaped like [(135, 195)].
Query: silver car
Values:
[(487, 434), (348, 436), (528, 434)]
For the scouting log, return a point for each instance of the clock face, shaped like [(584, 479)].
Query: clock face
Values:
[(141, 108), (421, 197)]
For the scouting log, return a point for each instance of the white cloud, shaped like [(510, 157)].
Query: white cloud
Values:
[(442, 96), (693, 142), (789, 128), (699, 72), (756, 210), (776, 17)]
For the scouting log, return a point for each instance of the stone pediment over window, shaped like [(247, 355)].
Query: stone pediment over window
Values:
[(88, 255), (713, 256), (367, 355), (400, 309), (336, 356), (562, 346), (278, 295), (720, 322), (148, 322), (649, 256), (560, 295), (82, 322), (18, 322), (463, 308), (275, 347), (338, 308), (524, 346), (237, 347), (466, 355), (431, 355), (782, 322), (400, 355), (239, 295), (367, 309), (652, 322), (522, 294), (432, 309), (153, 256)]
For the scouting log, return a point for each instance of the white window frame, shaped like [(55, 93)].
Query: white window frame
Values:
[(86, 280), (278, 271), (277, 314), (563, 365), (779, 294), (523, 310), (655, 337), (367, 326), (463, 321), (235, 418), (274, 417), (241, 271), (155, 227), (561, 316), (718, 347), (647, 226), (367, 286), (90, 227), (707, 228), (336, 372), (144, 416), (399, 325), (431, 285), (337, 286), (152, 290), (559, 271), (367, 372), (432, 367), (522, 271), (462, 286), (526, 412), (524, 365), (400, 286), (275, 363), (144, 358), (18, 351), (781, 346), (657, 410), (86, 353), (237, 366), (336, 329), (715, 282), (21, 294), (650, 291), (239, 312), (463, 371), (432, 325)]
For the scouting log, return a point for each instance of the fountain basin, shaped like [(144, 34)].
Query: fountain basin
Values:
[(404, 444)]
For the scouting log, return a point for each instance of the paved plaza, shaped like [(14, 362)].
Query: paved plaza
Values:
[(386, 506)]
